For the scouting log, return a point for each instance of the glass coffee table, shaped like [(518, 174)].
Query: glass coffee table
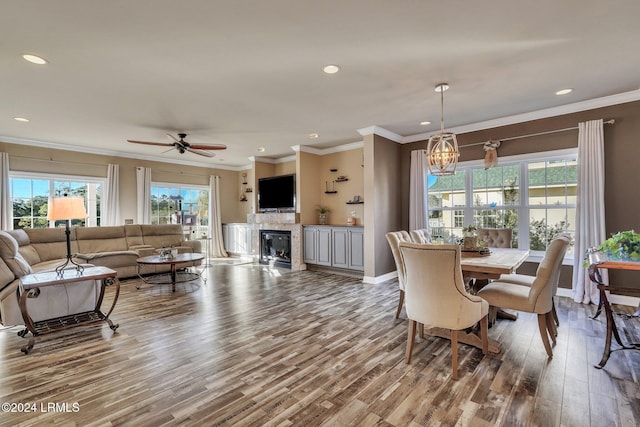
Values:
[(172, 261)]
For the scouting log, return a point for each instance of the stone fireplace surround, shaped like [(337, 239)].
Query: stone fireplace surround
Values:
[(279, 221)]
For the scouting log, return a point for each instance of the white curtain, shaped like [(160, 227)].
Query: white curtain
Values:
[(143, 180), (417, 191), (215, 220), (111, 203), (590, 225), (6, 208)]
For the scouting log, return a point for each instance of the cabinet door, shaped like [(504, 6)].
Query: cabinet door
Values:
[(340, 247), (310, 245), (356, 249), (323, 246)]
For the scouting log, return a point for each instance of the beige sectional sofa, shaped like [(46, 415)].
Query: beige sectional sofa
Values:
[(43, 249)]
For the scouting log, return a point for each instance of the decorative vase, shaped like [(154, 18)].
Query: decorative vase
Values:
[(470, 239), (322, 219)]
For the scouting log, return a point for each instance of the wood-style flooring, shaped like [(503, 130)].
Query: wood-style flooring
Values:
[(260, 347)]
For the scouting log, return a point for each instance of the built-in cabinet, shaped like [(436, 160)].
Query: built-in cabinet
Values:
[(339, 247), (238, 238)]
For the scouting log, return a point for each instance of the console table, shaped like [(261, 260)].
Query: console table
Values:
[(30, 285), (612, 329)]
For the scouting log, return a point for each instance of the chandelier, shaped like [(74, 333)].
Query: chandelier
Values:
[(442, 149)]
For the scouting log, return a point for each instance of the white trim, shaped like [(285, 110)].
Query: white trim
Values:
[(329, 150), (576, 107), (613, 298), (379, 279), (180, 186), (385, 133), (58, 177)]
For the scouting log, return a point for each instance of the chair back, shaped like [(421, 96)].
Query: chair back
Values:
[(421, 235), (434, 289), (495, 237), (546, 282), (394, 238)]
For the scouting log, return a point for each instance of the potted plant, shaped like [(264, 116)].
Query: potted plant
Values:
[(622, 246), (469, 237), (322, 214)]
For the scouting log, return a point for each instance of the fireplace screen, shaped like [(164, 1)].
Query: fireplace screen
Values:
[(275, 247)]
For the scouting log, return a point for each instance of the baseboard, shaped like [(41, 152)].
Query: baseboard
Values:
[(379, 279), (613, 298)]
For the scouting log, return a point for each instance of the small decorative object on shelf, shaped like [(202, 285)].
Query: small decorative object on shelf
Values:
[(357, 200), (244, 178), (333, 187), (342, 178), (243, 198), (249, 190)]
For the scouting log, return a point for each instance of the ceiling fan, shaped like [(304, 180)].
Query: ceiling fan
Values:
[(181, 145)]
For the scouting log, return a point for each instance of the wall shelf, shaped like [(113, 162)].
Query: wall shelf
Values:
[(330, 192), (342, 179), (355, 203)]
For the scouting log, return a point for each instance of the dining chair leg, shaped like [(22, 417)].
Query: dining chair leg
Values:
[(484, 334), (400, 304), (542, 325), (421, 330), (555, 313), (551, 326), (411, 337), (493, 313), (454, 353)]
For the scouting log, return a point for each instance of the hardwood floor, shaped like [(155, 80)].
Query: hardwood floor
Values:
[(257, 347)]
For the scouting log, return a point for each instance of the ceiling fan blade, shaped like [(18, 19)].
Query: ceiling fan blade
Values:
[(173, 137), (162, 144), (199, 152), (208, 146)]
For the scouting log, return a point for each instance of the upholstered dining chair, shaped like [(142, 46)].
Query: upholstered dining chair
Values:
[(421, 235), (526, 280), (436, 296), (495, 237), (394, 238), (535, 298)]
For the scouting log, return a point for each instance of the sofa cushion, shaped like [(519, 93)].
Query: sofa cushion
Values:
[(9, 252), (25, 248), (113, 259), (133, 234), (164, 235), (51, 243), (101, 239), (6, 275)]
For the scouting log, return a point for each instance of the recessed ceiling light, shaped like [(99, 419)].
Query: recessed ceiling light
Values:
[(34, 59), (261, 149), (564, 91), (331, 69), (21, 119), (425, 123), (313, 135)]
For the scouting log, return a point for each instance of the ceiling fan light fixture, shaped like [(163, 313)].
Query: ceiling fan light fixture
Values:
[(21, 119), (564, 91), (442, 148)]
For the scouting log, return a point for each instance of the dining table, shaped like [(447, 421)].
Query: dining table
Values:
[(487, 264)]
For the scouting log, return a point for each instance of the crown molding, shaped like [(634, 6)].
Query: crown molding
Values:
[(101, 152), (576, 107), (380, 131), (329, 150)]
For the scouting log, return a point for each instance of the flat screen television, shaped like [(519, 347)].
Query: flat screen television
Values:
[(277, 193)]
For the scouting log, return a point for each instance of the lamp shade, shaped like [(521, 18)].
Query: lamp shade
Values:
[(442, 154), (66, 208)]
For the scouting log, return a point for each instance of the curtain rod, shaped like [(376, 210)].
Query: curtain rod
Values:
[(607, 122), (67, 162)]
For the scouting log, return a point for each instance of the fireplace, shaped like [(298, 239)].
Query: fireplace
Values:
[(275, 248)]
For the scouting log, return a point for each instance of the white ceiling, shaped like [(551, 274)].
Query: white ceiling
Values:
[(248, 73)]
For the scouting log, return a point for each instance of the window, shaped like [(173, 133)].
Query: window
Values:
[(181, 204), (535, 198), (30, 195)]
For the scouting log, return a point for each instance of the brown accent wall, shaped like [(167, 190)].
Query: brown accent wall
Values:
[(622, 151), (382, 189)]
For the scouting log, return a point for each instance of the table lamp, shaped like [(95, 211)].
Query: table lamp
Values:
[(67, 208)]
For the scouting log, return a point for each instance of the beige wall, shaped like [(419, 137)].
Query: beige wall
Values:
[(46, 160), (348, 164), (286, 168), (308, 169)]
